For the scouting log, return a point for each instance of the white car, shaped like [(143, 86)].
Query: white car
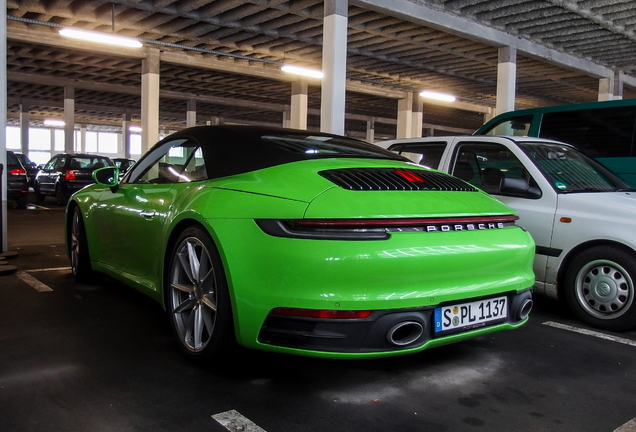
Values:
[(582, 217)]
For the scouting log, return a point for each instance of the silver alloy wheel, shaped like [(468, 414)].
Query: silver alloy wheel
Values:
[(604, 289), (193, 296), (75, 243)]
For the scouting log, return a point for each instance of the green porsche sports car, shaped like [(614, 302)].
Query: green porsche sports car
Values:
[(303, 243)]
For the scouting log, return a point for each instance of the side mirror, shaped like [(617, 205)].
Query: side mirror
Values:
[(107, 176), (519, 187)]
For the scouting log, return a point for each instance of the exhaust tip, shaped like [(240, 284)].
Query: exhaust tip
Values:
[(525, 309), (404, 333)]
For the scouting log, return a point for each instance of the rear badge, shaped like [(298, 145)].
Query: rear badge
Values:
[(455, 227)]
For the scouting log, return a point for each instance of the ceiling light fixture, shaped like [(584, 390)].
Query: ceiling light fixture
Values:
[(53, 122), (297, 70), (105, 38), (135, 128), (438, 96)]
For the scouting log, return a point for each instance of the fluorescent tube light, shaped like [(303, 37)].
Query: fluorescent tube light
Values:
[(135, 128), (53, 122), (438, 96), (104, 38), (297, 70)]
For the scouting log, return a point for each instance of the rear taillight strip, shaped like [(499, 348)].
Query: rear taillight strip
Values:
[(377, 229)]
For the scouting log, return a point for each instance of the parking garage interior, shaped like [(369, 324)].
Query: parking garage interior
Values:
[(87, 357)]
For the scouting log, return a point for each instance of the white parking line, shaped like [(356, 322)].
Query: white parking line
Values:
[(49, 269), (591, 333), (36, 284), (630, 426), (234, 422), (39, 207)]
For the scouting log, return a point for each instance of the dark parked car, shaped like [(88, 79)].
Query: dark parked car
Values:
[(65, 174), (30, 167), (17, 181), (123, 164)]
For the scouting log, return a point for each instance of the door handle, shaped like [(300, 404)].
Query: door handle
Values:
[(148, 214)]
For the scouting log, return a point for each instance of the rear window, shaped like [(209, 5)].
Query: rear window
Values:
[(11, 159), (312, 146), (429, 154), (605, 132), (516, 126), (89, 162)]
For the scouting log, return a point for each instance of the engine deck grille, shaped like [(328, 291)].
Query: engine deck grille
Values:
[(389, 179)]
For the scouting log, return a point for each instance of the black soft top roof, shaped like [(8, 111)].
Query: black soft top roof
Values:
[(234, 149)]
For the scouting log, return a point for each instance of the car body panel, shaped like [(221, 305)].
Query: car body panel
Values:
[(130, 229), (590, 217), (68, 173), (17, 180)]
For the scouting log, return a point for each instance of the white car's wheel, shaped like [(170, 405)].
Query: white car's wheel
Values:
[(600, 288)]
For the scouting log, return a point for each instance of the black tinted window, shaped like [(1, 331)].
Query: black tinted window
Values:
[(516, 126), (423, 154), (484, 165), (606, 132), (11, 159), (88, 162)]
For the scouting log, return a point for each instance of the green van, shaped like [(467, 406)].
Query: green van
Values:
[(604, 131)]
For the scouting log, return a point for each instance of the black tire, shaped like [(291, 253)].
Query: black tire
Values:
[(78, 245), (599, 288), (199, 304), (21, 202), (39, 196), (60, 198)]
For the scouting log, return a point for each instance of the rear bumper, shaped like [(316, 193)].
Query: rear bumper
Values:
[(16, 190), (70, 188), (382, 331)]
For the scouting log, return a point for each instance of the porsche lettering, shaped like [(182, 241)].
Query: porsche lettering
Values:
[(467, 227)]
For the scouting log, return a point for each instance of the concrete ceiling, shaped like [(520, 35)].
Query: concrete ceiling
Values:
[(227, 54)]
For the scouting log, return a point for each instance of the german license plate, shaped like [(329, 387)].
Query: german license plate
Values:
[(467, 316)]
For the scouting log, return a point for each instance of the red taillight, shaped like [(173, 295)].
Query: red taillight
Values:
[(410, 176), (317, 313), (69, 175), (361, 223), (18, 171)]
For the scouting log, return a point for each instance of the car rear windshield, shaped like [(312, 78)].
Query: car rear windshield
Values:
[(313, 146), (89, 162), (11, 159), (570, 171)]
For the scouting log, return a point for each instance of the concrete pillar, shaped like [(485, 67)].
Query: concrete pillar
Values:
[(4, 240), (126, 121), (24, 128), (191, 115), (405, 116), (371, 130), (605, 89), (69, 118), (506, 79), (149, 99), (215, 121), (334, 67), (489, 115), (287, 117), (82, 146), (298, 114), (418, 116), (618, 86)]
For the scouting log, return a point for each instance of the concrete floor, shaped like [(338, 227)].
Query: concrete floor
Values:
[(101, 357)]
